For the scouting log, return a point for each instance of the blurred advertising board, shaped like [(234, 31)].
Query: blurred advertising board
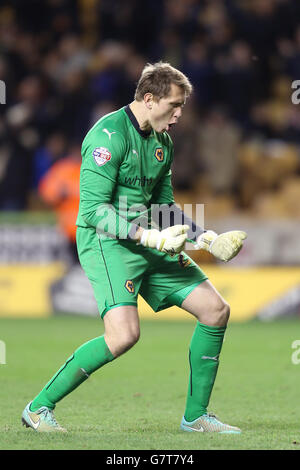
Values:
[(33, 254), (37, 278)]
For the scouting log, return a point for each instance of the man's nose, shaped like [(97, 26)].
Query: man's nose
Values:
[(177, 113)]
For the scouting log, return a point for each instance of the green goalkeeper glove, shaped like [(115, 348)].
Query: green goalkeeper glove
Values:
[(225, 246), (171, 240)]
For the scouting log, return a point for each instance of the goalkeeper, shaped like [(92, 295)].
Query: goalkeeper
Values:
[(126, 248)]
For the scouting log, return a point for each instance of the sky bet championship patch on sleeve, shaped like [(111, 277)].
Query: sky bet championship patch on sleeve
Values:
[(101, 155)]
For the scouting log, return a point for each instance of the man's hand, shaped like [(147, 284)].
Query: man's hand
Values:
[(171, 240), (225, 246)]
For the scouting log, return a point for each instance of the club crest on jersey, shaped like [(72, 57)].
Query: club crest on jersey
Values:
[(129, 286), (159, 154), (101, 155)]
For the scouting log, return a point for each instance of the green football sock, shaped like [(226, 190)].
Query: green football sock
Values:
[(204, 353), (86, 359)]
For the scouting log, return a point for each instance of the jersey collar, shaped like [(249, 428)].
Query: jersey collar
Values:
[(135, 124)]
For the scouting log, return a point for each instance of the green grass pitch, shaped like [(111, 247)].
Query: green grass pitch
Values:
[(137, 401)]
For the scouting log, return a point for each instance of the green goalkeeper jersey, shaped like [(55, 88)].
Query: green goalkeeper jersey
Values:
[(124, 171)]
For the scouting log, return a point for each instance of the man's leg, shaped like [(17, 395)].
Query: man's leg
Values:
[(122, 329), (121, 333), (212, 313)]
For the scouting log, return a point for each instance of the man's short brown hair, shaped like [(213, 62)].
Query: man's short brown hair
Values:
[(158, 78)]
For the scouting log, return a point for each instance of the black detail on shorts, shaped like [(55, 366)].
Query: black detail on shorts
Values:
[(184, 262), (191, 381), (110, 284), (170, 252), (55, 377)]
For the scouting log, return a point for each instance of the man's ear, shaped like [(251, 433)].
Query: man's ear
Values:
[(148, 100)]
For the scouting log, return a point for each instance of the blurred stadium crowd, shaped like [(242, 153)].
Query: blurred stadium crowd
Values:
[(66, 63)]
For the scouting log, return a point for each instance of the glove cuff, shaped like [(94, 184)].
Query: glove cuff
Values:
[(205, 240), (160, 242), (144, 238)]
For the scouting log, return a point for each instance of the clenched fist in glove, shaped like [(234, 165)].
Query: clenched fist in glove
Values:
[(225, 246), (171, 240)]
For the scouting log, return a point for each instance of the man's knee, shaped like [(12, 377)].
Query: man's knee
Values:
[(122, 329), (129, 338), (207, 305), (216, 314), (122, 341), (222, 313)]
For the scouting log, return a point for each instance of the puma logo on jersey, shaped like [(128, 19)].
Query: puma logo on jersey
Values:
[(109, 133), (135, 152)]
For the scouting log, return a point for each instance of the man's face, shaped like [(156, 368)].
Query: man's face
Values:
[(166, 112)]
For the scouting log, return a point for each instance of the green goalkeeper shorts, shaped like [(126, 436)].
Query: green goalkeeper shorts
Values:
[(119, 270)]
